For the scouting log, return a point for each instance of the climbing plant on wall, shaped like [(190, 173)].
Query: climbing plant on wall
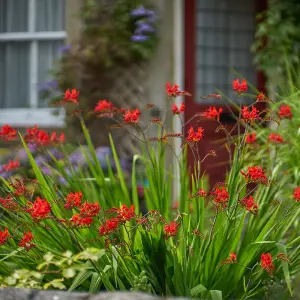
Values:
[(114, 35), (277, 43)]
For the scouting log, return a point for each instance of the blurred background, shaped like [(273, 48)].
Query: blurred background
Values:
[(120, 51)]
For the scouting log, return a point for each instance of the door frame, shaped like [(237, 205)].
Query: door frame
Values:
[(190, 22)]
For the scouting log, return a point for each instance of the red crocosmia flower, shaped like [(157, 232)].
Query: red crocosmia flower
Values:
[(195, 136), (220, 197), (261, 97), (71, 96), (40, 209), (250, 115), (250, 205), (176, 110), (173, 90), (86, 222), (26, 241), (8, 133), (31, 134), (131, 116), (9, 203), (4, 235), (42, 138), (266, 262), (202, 193), (285, 112), (230, 260), (275, 138), (240, 87), (12, 164), (35, 135), (77, 220), (250, 138), (296, 194), (32, 131), (103, 106), (232, 257), (55, 139), (212, 113), (171, 229), (73, 200), (110, 226), (89, 209), (62, 138), (126, 213), (256, 174)]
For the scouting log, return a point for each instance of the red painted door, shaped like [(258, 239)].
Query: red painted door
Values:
[(218, 36)]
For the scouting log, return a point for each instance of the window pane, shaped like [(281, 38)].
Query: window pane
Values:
[(50, 15), (225, 32), (48, 53), (14, 76), (13, 15)]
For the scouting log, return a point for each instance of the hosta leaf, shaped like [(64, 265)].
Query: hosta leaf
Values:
[(56, 283), (216, 295), (68, 273), (197, 290)]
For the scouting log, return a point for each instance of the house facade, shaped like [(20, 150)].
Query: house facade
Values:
[(201, 41)]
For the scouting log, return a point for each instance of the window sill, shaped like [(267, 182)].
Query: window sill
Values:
[(25, 117)]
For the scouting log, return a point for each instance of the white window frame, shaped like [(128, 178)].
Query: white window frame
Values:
[(22, 117)]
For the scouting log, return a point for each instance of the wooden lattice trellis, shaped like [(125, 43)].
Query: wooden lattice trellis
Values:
[(127, 90)]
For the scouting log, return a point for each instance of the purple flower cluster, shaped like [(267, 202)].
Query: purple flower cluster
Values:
[(64, 48), (48, 86), (144, 23), (4, 174), (47, 158), (75, 162), (22, 155), (78, 161), (77, 158)]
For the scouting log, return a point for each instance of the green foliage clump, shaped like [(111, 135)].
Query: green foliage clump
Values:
[(231, 240), (278, 38)]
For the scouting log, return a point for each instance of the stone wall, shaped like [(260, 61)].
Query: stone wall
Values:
[(27, 294)]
